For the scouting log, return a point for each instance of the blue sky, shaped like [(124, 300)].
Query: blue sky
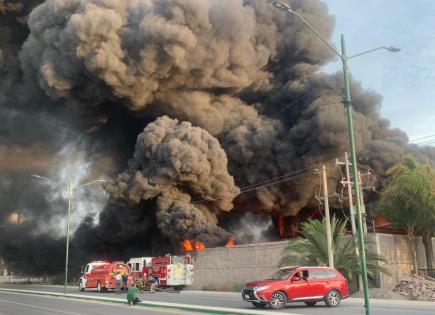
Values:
[(405, 79)]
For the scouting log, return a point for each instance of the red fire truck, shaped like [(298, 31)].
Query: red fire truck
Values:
[(101, 275), (171, 271)]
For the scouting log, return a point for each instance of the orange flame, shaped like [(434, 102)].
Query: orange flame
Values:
[(231, 241), (187, 245), (381, 221), (199, 245)]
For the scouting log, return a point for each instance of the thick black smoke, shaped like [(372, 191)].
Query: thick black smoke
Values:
[(177, 164), (224, 94)]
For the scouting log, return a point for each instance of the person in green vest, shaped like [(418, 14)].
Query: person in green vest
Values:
[(132, 299)]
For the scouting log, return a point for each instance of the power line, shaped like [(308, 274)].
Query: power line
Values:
[(426, 142), (297, 100), (253, 188), (425, 137), (273, 181)]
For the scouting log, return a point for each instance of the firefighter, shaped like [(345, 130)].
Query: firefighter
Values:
[(118, 282), (153, 283), (124, 282)]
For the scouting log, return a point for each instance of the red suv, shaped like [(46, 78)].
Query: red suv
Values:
[(297, 284)]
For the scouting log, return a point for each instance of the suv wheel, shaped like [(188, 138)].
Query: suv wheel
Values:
[(332, 298), (277, 300), (259, 305), (81, 287), (310, 303)]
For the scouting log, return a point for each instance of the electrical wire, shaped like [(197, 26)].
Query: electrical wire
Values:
[(418, 139), (425, 143), (242, 191), (297, 100), (273, 181)]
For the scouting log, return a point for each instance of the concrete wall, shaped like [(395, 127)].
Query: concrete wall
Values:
[(228, 268), (16, 279), (395, 249)]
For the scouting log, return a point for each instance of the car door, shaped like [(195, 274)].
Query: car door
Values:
[(316, 283), (297, 289), (90, 281)]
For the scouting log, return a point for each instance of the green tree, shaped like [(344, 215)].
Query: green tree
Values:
[(311, 250), (408, 200)]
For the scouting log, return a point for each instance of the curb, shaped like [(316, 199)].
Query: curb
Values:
[(391, 302), (150, 304)]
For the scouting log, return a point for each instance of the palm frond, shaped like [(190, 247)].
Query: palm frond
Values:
[(311, 249)]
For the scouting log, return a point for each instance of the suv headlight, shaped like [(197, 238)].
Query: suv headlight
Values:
[(261, 288)]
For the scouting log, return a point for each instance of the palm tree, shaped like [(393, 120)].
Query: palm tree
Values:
[(312, 250)]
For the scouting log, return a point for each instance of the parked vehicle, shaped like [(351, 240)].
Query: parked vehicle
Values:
[(85, 272), (298, 284), (139, 267), (170, 271), (101, 275)]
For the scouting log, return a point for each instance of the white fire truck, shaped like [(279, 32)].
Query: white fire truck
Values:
[(171, 271)]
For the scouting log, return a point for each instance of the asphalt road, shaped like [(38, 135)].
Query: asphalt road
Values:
[(233, 300), (18, 304)]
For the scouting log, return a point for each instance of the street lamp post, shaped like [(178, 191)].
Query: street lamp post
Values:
[(70, 191), (348, 105)]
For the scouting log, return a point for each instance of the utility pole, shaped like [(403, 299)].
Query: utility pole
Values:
[(327, 218), (348, 184), (349, 191), (363, 207), (67, 235)]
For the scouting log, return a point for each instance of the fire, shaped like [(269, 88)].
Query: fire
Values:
[(381, 221), (16, 218), (199, 245), (231, 242), (189, 245)]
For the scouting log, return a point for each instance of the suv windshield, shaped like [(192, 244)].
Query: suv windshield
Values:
[(282, 274)]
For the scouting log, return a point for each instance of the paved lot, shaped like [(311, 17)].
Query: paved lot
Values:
[(233, 300)]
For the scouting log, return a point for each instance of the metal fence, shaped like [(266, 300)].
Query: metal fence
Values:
[(427, 272)]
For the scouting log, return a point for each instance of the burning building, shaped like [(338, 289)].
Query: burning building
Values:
[(207, 115)]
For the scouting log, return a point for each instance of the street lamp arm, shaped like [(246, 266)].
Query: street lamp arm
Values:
[(91, 182), (47, 179), (286, 8), (390, 49), (324, 40)]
